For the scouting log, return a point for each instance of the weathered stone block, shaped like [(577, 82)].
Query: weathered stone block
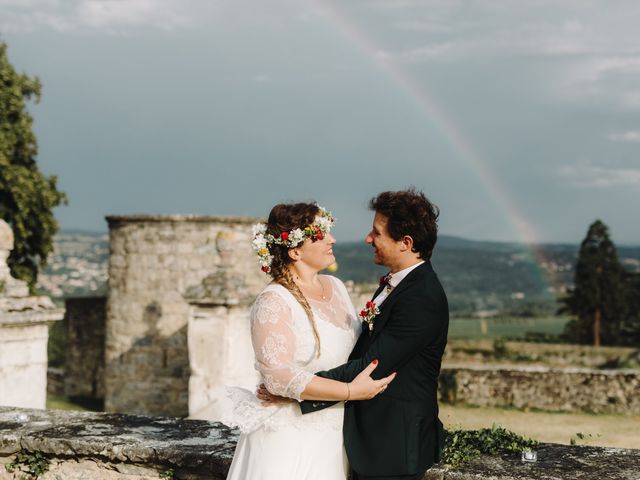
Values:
[(555, 389), (82, 445)]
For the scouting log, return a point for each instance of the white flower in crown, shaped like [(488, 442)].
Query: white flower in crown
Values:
[(325, 221), (259, 228), (296, 237)]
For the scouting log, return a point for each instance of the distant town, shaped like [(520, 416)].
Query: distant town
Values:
[(78, 266), (481, 278)]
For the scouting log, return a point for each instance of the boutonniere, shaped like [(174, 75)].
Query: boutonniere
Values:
[(368, 313)]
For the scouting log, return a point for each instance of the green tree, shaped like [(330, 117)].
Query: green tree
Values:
[(597, 299), (630, 332), (27, 196)]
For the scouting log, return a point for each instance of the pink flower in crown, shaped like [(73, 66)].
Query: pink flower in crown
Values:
[(368, 313)]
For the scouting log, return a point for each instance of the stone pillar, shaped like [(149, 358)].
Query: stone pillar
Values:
[(153, 262), (219, 336), (24, 333)]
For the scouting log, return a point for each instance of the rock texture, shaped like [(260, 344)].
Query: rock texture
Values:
[(160, 269), (555, 389), (555, 462), (115, 446), (100, 446)]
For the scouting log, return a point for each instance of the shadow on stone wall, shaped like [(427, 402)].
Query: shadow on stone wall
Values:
[(85, 320), (153, 374)]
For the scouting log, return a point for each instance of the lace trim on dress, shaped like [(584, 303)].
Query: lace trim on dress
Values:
[(244, 411)]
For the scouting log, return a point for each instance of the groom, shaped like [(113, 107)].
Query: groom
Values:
[(397, 435)]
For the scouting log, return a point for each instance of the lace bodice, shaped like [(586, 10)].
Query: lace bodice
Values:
[(283, 339), (285, 355)]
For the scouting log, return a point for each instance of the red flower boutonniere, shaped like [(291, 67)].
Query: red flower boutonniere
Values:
[(368, 313)]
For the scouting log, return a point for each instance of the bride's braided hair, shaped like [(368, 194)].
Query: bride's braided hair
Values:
[(284, 218)]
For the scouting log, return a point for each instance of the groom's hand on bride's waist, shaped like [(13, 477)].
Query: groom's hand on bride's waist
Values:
[(267, 398)]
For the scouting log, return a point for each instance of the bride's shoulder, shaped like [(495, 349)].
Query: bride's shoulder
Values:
[(272, 300), (273, 293)]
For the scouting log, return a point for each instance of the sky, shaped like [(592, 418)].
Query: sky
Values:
[(520, 120)]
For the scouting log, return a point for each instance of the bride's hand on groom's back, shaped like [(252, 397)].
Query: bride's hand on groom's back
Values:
[(363, 387), (267, 398)]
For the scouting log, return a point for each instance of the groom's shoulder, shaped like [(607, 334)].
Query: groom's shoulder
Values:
[(428, 282)]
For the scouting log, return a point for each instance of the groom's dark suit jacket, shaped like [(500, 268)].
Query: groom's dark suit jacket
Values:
[(398, 432)]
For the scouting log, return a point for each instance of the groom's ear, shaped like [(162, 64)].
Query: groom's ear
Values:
[(406, 243)]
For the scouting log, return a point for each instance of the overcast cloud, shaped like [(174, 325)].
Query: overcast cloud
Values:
[(219, 107)]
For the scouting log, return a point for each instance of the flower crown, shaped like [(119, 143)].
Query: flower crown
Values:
[(262, 239)]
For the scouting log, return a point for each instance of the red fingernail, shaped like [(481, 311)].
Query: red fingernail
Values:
[(375, 362)]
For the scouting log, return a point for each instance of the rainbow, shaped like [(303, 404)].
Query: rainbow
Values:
[(450, 131)]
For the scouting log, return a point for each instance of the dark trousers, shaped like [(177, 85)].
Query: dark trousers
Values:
[(355, 476)]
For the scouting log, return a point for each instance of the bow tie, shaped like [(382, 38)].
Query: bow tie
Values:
[(385, 281)]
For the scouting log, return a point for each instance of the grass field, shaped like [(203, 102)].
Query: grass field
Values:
[(602, 430), (512, 327), (65, 403)]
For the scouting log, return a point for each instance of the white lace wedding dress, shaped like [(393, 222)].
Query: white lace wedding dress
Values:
[(278, 442)]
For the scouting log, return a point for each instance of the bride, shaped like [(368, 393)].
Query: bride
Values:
[(301, 323)]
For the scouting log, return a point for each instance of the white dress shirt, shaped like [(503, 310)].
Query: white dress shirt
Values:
[(395, 279)]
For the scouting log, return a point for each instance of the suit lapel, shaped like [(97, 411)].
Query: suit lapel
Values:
[(383, 317)]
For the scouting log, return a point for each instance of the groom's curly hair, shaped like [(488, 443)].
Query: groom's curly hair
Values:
[(410, 213)]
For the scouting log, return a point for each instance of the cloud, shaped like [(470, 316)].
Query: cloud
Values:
[(611, 81), (423, 26), (596, 69), (428, 52), (107, 15), (625, 137), (595, 176)]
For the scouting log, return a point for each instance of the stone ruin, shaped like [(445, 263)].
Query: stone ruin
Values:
[(24, 332), (174, 327), (177, 313)]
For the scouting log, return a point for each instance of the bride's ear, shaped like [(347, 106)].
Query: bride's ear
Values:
[(294, 254)]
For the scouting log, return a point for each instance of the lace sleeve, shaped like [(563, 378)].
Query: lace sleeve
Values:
[(274, 344)]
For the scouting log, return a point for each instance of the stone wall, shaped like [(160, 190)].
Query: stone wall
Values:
[(80, 445), (219, 334), (24, 332), (154, 261), (568, 390), (84, 367)]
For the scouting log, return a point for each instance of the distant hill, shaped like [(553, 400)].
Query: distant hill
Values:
[(488, 276), (478, 276)]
